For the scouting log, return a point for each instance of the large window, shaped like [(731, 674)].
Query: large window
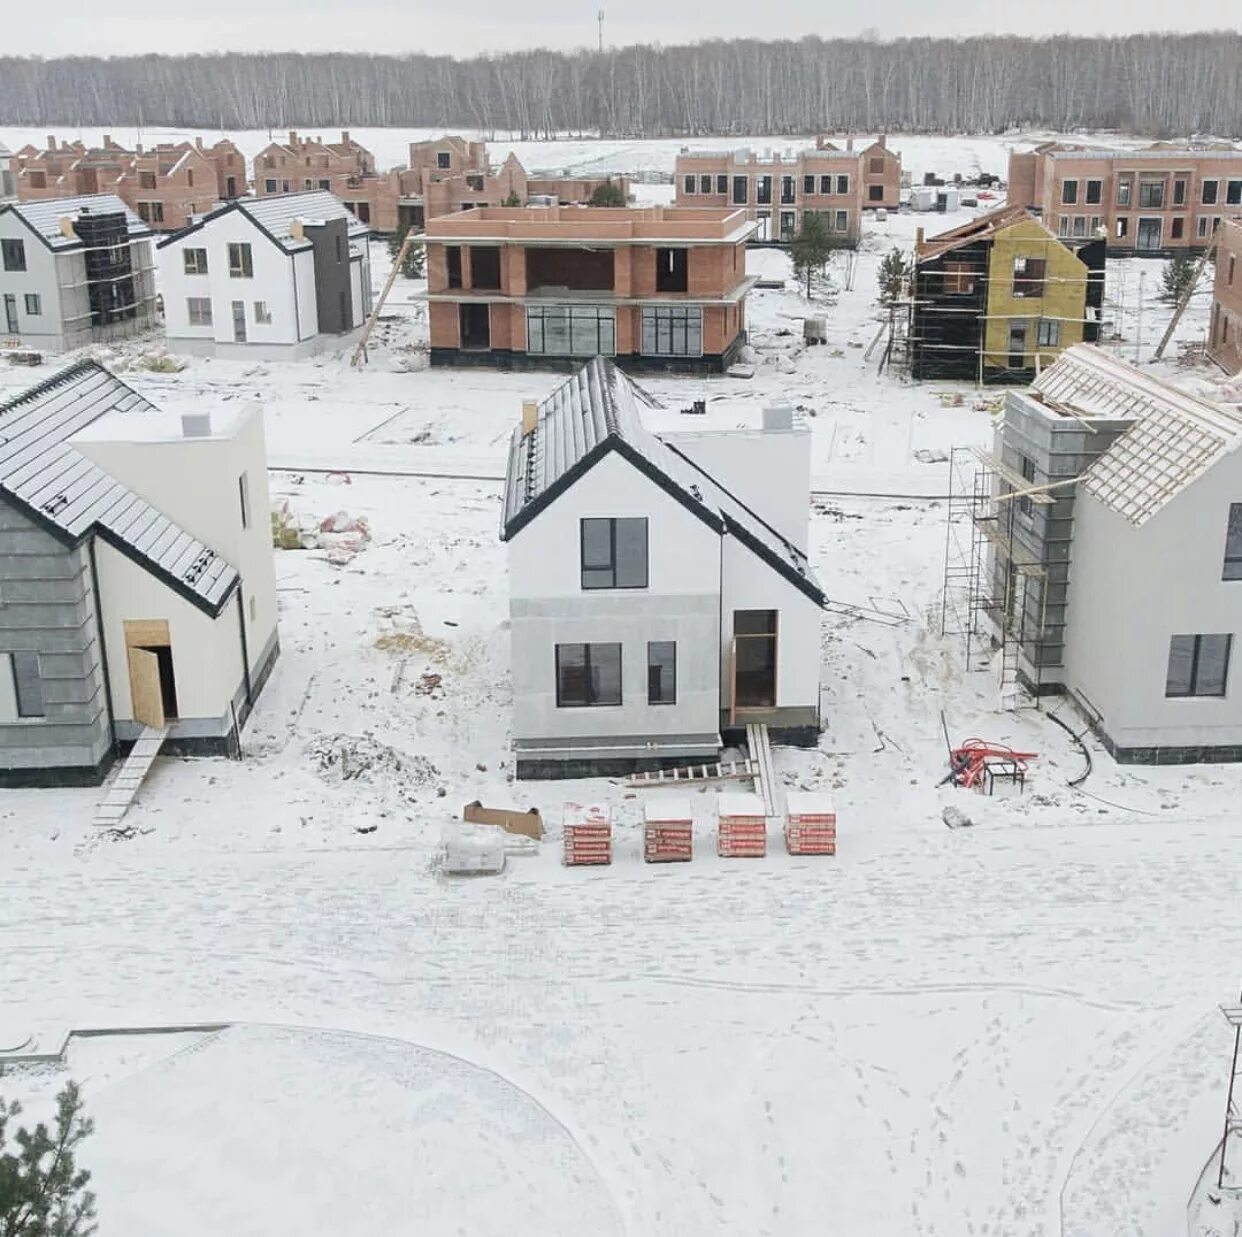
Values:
[(787, 189), (28, 685), (1049, 335), (485, 267), (34, 306), (808, 184), (1069, 192), (705, 183), (825, 184), (690, 184), (672, 330), (1233, 192), (1151, 194), (195, 261), (1211, 188), (1198, 665), (444, 159), (1123, 192), (587, 675), (151, 212), (1094, 188), (241, 262), (875, 193), (722, 183), (198, 310), (741, 190), (1028, 276), (763, 190), (14, 254), (571, 330), (661, 672), (1233, 544), (614, 553), (672, 270), (843, 184)]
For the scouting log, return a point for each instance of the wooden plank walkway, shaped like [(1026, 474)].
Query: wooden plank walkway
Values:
[(122, 789)]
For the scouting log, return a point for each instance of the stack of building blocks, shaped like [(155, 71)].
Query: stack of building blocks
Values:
[(587, 829), (742, 827), (668, 830), (810, 824)]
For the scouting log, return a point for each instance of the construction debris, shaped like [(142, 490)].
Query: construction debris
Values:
[(472, 850), (347, 758), (526, 824), (977, 764)]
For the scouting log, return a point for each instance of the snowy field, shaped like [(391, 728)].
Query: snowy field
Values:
[(1003, 1030)]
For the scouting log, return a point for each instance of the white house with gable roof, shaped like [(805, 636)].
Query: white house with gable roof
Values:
[(74, 271), (660, 592), (136, 575), (274, 277)]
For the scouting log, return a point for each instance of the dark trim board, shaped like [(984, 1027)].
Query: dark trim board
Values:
[(542, 769), (59, 776)]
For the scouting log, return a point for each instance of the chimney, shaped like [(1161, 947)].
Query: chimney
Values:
[(107, 141), (51, 141), (918, 239), (777, 417), (196, 425), (344, 137), (293, 138), (198, 141), (66, 227), (530, 417), (849, 143), (882, 141), (296, 230)]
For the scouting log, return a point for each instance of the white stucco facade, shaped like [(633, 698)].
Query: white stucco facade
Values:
[(1135, 587), (697, 576), (272, 313), (198, 482)]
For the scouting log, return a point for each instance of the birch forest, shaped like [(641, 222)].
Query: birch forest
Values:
[(1160, 85)]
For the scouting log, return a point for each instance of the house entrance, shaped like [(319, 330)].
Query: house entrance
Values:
[(754, 660), (239, 322), (476, 327), (1148, 236), (10, 312), (152, 682)]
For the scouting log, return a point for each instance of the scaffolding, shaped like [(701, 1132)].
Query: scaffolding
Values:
[(994, 593)]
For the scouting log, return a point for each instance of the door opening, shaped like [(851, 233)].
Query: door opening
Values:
[(754, 659), (476, 329), (10, 312), (152, 677), (1017, 346), (239, 322)]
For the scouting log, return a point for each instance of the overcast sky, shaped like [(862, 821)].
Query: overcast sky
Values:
[(85, 26)]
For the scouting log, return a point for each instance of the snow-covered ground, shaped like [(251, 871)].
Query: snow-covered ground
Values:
[(1003, 1030)]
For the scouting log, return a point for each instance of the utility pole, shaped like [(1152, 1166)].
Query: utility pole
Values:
[(599, 17)]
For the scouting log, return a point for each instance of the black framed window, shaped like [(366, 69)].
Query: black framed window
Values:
[(705, 184), (1211, 190), (661, 672), (588, 675), (1198, 665), (28, 685), (1233, 544), (690, 184), (241, 262), (1069, 192), (825, 184), (672, 330), (14, 253), (195, 261), (787, 189), (614, 553), (722, 182), (808, 184), (741, 190), (1095, 189), (444, 160), (843, 184)]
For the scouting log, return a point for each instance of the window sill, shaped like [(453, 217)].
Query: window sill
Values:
[(609, 705)]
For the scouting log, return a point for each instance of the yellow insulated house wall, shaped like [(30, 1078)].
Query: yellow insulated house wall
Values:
[(1064, 298)]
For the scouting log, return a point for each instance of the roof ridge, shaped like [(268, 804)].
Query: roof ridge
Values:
[(72, 370)]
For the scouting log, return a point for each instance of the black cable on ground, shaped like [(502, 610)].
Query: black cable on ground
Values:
[(1082, 747)]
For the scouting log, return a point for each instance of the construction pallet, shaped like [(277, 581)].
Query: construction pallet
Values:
[(742, 839), (668, 843), (807, 843)]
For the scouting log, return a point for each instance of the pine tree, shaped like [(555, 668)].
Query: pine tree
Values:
[(608, 194), (414, 267), (1177, 276), (894, 276), (42, 1191), (811, 248)]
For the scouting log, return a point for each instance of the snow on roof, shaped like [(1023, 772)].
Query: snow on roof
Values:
[(668, 807), (278, 212), (596, 410), (43, 474), (45, 216), (1146, 153), (1176, 437)]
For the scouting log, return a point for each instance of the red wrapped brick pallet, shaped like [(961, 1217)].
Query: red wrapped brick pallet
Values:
[(587, 830), (668, 830), (742, 827), (811, 824)]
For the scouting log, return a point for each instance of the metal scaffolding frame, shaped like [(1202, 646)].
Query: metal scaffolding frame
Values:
[(988, 579), (1233, 1113)]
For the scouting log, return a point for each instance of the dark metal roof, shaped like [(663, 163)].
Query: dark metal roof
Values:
[(598, 410), (48, 478)]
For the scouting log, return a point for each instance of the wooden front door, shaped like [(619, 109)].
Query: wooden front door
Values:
[(144, 687)]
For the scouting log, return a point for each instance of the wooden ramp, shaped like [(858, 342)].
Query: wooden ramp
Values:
[(765, 776), (716, 771), (120, 793)]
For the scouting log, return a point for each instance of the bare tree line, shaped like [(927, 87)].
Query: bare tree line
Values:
[(1162, 85)]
